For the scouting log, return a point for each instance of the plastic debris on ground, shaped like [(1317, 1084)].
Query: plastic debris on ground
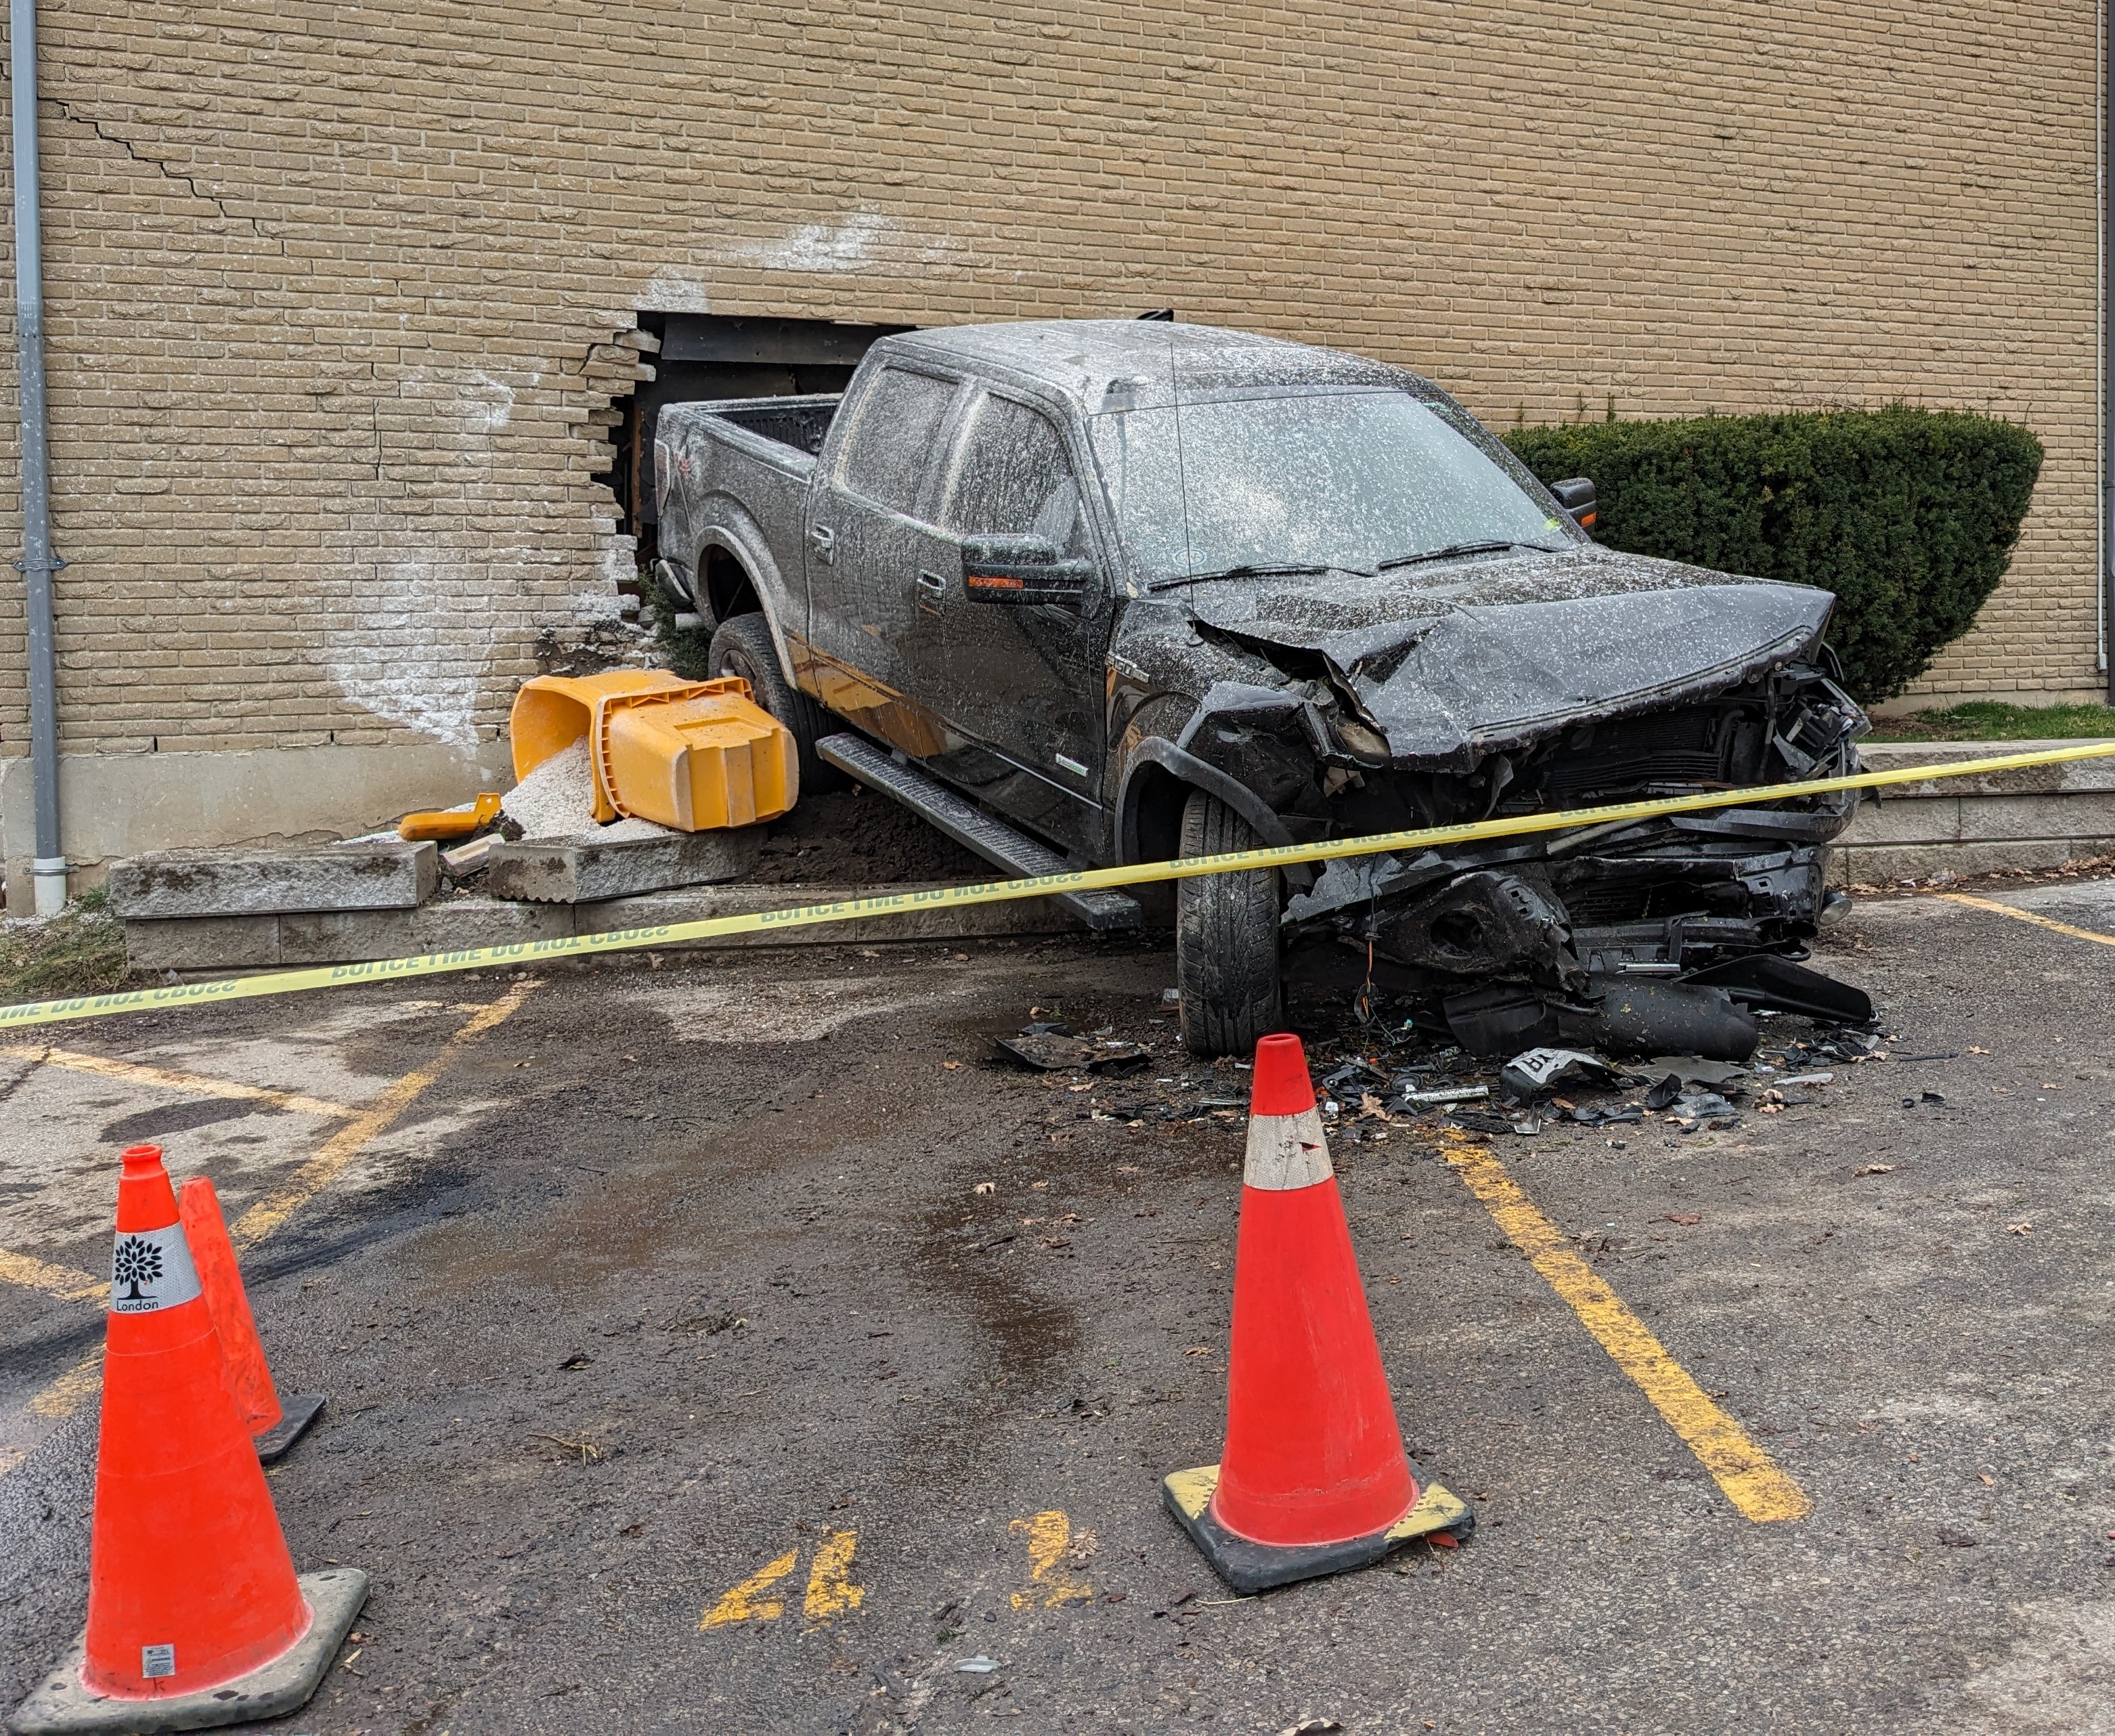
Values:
[(1054, 1047), (1383, 1079), (1538, 1070)]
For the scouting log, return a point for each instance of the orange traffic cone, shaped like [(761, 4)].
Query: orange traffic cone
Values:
[(1313, 1479), (274, 1426), (195, 1615)]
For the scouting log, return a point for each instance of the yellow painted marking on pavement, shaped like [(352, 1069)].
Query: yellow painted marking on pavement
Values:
[(2029, 916), (747, 1601), (997, 892), (342, 1146), (72, 1389), (1049, 1540), (61, 1281), (164, 1078), (1749, 1476), (66, 1395), (830, 1589)]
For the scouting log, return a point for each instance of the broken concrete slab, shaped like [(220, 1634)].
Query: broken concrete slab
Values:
[(211, 943), (571, 871), (932, 922), (178, 885), (336, 937)]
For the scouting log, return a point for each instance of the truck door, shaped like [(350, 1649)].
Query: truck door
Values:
[(1024, 677), (874, 657)]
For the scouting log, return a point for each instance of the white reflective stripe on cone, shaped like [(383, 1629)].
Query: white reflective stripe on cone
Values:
[(1286, 1152), (151, 1269)]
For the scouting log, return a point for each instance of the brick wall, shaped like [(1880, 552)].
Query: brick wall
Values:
[(338, 292)]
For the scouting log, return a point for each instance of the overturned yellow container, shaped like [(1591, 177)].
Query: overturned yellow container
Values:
[(695, 755)]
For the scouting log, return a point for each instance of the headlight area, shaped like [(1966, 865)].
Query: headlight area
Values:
[(1635, 937)]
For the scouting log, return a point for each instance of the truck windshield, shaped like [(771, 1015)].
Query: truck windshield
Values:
[(1343, 479)]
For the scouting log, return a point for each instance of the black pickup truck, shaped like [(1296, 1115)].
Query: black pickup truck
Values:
[(1103, 591)]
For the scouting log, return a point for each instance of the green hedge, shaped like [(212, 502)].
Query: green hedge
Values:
[(1908, 515)]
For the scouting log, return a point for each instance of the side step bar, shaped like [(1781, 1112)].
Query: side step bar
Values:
[(970, 827)]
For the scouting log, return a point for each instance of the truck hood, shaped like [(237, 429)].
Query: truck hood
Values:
[(1458, 659)]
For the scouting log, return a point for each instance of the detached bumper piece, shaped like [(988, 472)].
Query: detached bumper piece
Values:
[(1708, 1012), (1011, 852), (1249, 1567)]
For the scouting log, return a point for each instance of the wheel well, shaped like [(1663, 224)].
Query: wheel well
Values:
[(1153, 828), (725, 588)]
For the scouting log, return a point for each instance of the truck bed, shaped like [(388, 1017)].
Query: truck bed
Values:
[(737, 470), (783, 430)]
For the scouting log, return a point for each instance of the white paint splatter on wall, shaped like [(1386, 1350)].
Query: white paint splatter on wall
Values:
[(670, 291), (414, 646)]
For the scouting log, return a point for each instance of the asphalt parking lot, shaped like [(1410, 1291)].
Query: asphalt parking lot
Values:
[(739, 1344)]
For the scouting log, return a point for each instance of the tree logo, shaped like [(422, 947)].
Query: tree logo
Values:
[(137, 1261)]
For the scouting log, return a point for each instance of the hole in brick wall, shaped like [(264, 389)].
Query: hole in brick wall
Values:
[(711, 356)]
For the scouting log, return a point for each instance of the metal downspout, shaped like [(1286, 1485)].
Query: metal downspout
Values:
[(37, 564)]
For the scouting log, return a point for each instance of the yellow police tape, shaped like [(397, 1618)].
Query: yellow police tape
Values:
[(942, 897)]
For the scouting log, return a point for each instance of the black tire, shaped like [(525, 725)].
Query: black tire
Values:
[(1225, 937), (743, 646)]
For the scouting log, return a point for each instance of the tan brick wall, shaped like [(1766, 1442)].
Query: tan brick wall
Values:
[(331, 286)]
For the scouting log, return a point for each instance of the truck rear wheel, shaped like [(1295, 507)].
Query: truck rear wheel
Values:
[(1225, 937), (742, 645)]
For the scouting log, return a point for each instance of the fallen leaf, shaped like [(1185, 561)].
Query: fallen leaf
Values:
[(2023, 1228), (1988, 1480), (1875, 1169), (985, 1188), (1681, 1217), (1198, 1350), (952, 1066), (1973, 1050)]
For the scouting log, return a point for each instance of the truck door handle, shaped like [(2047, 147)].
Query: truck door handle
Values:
[(932, 592), (825, 541)]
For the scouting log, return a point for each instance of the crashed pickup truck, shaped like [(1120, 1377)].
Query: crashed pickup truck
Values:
[(1101, 591)]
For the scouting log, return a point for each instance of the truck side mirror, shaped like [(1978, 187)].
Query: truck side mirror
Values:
[(1575, 495), (1021, 570)]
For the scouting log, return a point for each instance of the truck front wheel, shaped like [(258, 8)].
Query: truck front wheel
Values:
[(742, 645), (1225, 937)]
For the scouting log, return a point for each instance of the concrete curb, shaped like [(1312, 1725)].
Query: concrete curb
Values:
[(451, 924), (2040, 816)]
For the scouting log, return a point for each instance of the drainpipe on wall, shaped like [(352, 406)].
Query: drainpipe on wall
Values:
[(2105, 602), (37, 565)]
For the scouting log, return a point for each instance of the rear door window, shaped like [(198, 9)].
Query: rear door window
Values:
[(897, 434), (1016, 479)]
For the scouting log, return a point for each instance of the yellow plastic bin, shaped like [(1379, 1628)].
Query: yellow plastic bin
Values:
[(694, 755), (711, 758)]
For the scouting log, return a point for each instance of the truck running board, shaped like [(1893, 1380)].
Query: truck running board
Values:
[(973, 828)]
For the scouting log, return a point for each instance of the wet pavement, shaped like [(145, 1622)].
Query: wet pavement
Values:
[(747, 1345)]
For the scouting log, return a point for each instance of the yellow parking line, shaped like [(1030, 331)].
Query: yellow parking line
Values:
[(2028, 915), (164, 1078), (1749, 1476), (342, 1146), (72, 1389), (80, 1383), (61, 1281)]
